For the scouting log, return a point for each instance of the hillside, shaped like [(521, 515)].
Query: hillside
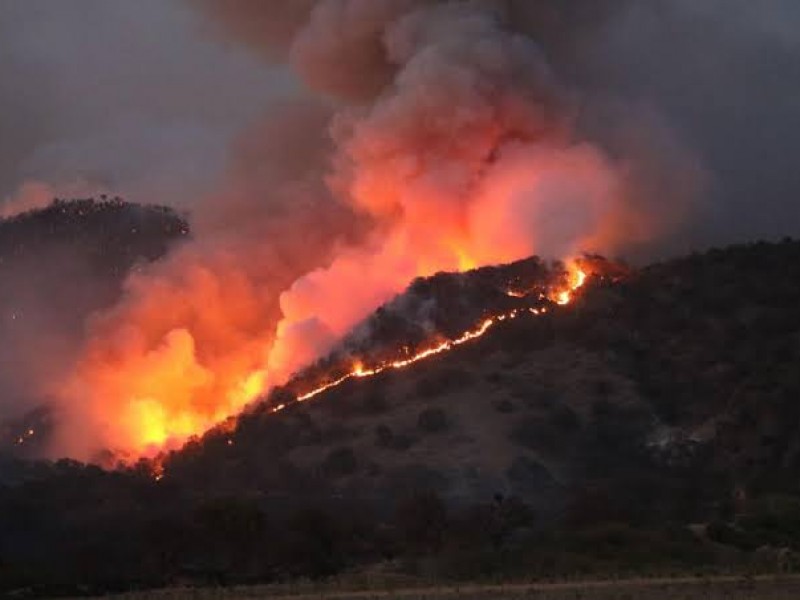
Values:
[(584, 440), (58, 265), (684, 365)]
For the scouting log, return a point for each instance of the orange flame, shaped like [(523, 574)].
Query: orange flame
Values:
[(576, 278)]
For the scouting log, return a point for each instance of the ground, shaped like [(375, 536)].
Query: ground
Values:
[(685, 588)]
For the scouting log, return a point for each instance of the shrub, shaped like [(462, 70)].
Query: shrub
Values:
[(432, 420), (374, 404), (383, 436), (422, 520), (339, 462), (442, 381), (386, 438)]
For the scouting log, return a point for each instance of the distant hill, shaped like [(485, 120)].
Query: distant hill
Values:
[(652, 424), (57, 266), (110, 234)]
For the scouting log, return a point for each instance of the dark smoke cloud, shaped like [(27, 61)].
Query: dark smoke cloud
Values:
[(720, 79)]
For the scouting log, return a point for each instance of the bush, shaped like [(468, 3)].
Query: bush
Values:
[(421, 519), (374, 404), (340, 462), (386, 438), (432, 420), (442, 381)]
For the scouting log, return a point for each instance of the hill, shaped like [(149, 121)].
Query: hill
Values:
[(58, 265), (650, 425)]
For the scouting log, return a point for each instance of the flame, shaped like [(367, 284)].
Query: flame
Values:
[(575, 280), (171, 398), (576, 277)]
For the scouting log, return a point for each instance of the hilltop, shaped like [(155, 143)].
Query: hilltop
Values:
[(58, 265)]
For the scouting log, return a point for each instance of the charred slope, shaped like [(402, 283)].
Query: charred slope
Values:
[(58, 265), (663, 399)]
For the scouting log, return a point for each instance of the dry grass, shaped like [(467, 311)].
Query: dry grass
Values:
[(716, 588)]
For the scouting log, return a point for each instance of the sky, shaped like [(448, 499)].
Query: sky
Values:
[(135, 98), (144, 99)]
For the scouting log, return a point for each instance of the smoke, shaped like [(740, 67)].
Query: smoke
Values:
[(714, 83), (127, 97), (425, 136)]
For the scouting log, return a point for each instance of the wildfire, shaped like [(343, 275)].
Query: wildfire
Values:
[(459, 161), (576, 279)]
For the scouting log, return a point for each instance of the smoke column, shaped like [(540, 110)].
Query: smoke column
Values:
[(432, 136)]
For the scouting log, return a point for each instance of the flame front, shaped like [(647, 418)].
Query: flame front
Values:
[(576, 278)]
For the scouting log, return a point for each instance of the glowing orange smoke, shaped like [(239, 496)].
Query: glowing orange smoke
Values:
[(170, 397), (181, 354)]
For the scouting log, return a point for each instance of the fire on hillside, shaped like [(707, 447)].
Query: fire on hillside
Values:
[(532, 290)]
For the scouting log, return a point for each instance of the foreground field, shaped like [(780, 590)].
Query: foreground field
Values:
[(717, 588)]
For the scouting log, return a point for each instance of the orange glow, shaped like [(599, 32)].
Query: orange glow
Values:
[(172, 361), (184, 385), (576, 278)]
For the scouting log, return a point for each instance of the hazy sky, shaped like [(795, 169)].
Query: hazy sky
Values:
[(140, 98), (131, 95)]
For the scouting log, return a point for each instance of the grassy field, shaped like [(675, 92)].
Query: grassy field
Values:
[(716, 588)]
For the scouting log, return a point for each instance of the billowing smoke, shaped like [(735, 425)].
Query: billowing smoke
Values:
[(430, 135)]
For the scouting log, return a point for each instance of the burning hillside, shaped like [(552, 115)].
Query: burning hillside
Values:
[(438, 313), (434, 137)]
